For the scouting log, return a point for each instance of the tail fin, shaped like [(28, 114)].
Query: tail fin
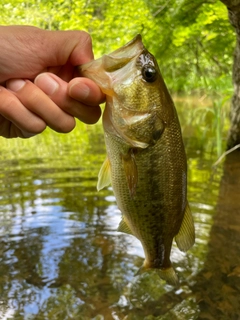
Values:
[(167, 274)]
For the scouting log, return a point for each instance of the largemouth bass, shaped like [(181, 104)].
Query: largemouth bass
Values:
[(146, 161)]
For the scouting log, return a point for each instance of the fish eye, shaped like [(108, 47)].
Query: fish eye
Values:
[(149, 73)]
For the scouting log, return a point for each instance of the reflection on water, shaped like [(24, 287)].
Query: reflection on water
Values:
[(61, 256)]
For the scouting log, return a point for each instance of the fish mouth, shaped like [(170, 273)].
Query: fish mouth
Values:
[(100, 70)]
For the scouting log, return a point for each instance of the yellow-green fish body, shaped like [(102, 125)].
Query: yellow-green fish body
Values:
[(146, 161)]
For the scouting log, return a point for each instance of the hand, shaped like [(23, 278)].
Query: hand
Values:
[(37, 84)]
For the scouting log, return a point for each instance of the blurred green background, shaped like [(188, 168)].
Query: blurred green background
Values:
[(192, 40)]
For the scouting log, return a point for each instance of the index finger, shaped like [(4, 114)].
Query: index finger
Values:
[(63, 46)]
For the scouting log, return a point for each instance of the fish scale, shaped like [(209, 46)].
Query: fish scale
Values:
[(146, 161), (151, 190)]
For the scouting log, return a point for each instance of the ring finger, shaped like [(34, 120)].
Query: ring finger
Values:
[(17, 116), (37, 102)]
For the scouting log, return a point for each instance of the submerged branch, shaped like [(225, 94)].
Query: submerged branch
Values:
[(225, 154)]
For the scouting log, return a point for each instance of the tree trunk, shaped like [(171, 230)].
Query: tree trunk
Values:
[(217, 286), (233, 7)]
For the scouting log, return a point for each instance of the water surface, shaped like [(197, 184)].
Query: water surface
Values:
[(62, 258)]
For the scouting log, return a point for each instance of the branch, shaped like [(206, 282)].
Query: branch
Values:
[(161, 8)]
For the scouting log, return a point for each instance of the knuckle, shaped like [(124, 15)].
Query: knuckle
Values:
[(7, 102), (34, 96), (85, 37), (13, 111)]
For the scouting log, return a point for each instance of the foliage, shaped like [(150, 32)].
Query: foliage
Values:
[(192, 40), (200, 45)]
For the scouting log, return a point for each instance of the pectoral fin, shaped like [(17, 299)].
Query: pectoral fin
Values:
[(123, 227), (186, 235), (104, 176), (131, 173)]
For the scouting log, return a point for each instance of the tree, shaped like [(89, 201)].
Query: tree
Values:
[(233, 7), (191, 40), (193, 43)]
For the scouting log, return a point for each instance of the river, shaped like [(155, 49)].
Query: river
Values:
[(62, 258)]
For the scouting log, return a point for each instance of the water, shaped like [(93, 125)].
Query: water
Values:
[(62, 258)]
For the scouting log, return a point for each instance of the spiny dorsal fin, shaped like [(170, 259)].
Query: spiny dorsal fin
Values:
[(123, 227), (131, 173), (186, 236), (104, 176)]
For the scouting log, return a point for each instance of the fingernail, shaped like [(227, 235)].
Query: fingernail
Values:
[(79, 91), (16, 84), (46, 83)]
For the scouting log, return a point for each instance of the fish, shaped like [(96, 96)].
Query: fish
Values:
[(146, 161)]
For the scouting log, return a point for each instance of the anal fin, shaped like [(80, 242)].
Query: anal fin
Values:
[(186, 236)]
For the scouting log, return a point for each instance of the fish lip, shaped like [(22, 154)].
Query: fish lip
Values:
[(135, 43), (127, 48), (129, 51)]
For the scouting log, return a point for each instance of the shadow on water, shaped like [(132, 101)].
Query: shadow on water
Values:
[(217, 286), (60, 254)]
